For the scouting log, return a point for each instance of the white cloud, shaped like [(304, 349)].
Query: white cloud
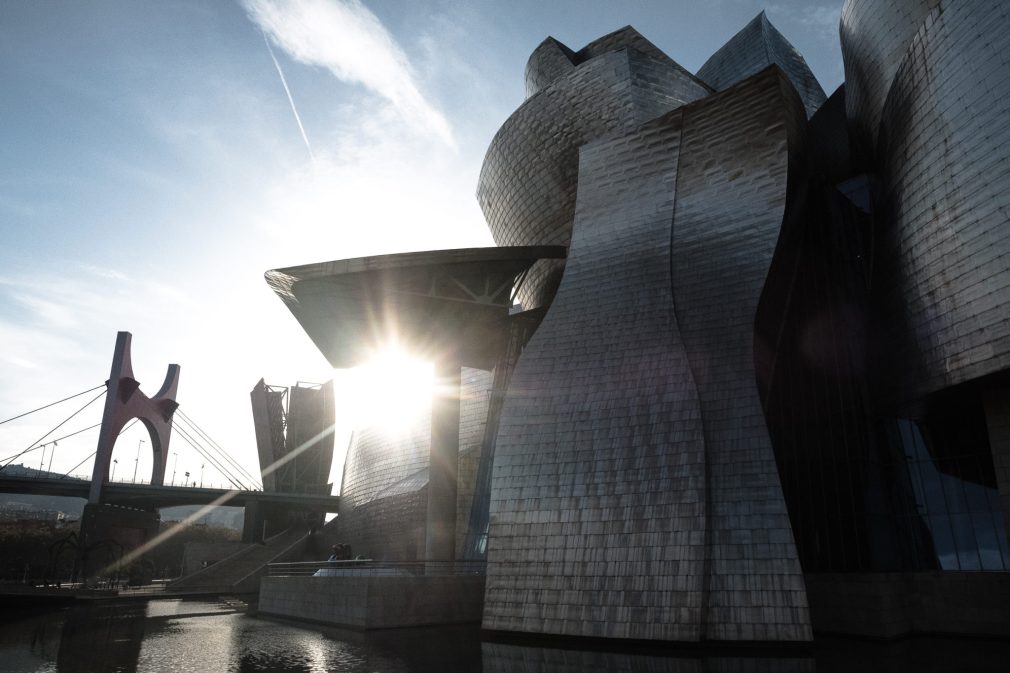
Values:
[(53, 314), (104, 272), (21, 362), (344, 37), (372, 191)]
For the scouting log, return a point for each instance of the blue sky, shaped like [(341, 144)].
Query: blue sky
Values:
[(153, 167)]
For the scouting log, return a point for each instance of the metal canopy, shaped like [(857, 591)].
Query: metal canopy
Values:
[(439, 304)]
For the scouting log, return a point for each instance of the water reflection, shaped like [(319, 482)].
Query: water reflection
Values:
[(922, 654), (100, 638), (502, 658), (205, 637)]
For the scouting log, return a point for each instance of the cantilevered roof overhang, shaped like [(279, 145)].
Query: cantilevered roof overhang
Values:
[(441, 304)]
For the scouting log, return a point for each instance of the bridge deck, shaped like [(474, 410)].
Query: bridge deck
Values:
[(147, 496)]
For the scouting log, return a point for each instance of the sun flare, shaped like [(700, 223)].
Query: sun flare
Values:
[(392, 391)]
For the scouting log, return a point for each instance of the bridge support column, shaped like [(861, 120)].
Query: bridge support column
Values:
[(124, 401), (440, 529), (252, 524), (108, 534)]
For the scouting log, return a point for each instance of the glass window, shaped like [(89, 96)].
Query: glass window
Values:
[(964, 538), (988, 541), (950, 470), (943, 542)]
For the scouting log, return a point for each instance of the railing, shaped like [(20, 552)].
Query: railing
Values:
[(103, 586), (371, 568), (35, 473)]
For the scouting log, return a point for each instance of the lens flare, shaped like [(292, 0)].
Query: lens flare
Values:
[(391, 391)]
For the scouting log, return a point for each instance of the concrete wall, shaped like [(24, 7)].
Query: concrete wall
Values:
[(889, 605), (194, 554), (374, 602)]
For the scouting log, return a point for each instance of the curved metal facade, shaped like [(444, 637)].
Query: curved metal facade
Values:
[(528, 180), (891, 289), (634, 492), (732, 187), (875, 35), (945, 165), (376, 460), (382, 505), (758, 45), (550, 61)]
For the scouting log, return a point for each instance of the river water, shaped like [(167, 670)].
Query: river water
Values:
[(215, 637)]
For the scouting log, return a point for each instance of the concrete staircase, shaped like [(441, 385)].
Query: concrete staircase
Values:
[(240, 573)]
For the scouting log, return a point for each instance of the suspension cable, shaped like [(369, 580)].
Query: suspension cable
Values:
[(58, 439), (132, 423), (78, 465), (215, 462), (235, 481), (52, 404), (200, 432), (217, 447), (93, 399), (224, 472)]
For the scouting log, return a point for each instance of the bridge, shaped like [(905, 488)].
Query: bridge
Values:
[(150, 496), (120, 517)]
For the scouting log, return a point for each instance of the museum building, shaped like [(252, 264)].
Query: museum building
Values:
[(740, 367)]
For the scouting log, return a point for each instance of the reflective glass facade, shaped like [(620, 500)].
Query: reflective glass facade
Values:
[(950, 471)]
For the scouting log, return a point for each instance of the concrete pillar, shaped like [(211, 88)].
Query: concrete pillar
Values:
[(252, 525), (440, 529), (997, 419)]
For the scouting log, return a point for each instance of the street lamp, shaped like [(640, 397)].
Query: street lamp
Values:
[(201, 475), (114, 463), (52, 450), (136, 461), (175, 464)]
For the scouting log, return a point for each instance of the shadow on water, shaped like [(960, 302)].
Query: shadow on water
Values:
[(924, 654), (502, 658), (101, 637), (203, 637), (920, 654), (79, 639)]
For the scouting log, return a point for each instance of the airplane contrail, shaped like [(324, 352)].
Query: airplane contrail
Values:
[(291, 100)]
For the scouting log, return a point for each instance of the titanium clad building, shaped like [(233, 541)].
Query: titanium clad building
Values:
[(385, 479), (765, 389)]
